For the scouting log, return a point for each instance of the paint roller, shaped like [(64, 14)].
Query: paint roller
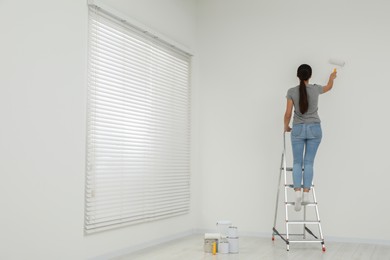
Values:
[(337, 62)]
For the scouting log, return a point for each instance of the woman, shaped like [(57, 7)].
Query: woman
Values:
[(306, 132)]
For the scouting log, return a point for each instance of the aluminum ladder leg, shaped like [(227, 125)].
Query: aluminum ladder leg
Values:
[(302, 237)]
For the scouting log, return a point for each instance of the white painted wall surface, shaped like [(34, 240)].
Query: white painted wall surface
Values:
[(43, 52), (249, 53), (246, 55)]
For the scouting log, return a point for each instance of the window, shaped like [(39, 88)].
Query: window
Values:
[(138, 132)]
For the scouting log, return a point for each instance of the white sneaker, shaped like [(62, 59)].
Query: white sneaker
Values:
[(306, 198), (298, 200)]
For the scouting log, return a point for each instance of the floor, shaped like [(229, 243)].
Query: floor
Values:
[(255, 248)]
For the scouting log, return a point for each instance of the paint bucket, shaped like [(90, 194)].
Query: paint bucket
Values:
[(208, 245), (233, 245), (223, 247), (223, 227), (212, 236), (232, 232)]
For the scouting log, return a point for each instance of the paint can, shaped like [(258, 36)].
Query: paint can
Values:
[(232, 232), (233, 245), (223, 247), (208, 245), (223, 227), (212, 236)]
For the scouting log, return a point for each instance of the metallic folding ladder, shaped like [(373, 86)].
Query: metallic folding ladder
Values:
[(301, 237)]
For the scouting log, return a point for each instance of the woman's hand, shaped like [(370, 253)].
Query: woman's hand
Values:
[(329, 86), (333, 75), (287, 129)]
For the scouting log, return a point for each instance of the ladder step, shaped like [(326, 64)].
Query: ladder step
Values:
[(303, 203), (305, 241), (292, 185), (303, 221), (290, 234), (289, 169)]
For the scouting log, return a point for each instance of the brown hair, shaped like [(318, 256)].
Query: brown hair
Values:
[(303, 73)]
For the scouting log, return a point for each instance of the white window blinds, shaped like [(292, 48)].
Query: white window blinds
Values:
[(138, 133)]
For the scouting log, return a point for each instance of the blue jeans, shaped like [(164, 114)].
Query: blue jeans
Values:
[(305, 139)]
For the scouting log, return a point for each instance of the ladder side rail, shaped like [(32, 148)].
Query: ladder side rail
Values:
[(285, 172), (304, 219), (318, 214), (285, 191), (278, 191)]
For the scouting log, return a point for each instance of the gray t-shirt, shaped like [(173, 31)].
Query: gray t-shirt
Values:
[(311, 116)]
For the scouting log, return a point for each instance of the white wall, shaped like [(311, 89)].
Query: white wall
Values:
[(246, 60), (249, 52), (43, 51)]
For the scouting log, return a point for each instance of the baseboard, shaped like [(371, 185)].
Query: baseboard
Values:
[(141, 246), (327, 238)]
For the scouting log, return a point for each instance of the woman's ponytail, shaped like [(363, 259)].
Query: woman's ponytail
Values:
[(303, 73), (303, 102)]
